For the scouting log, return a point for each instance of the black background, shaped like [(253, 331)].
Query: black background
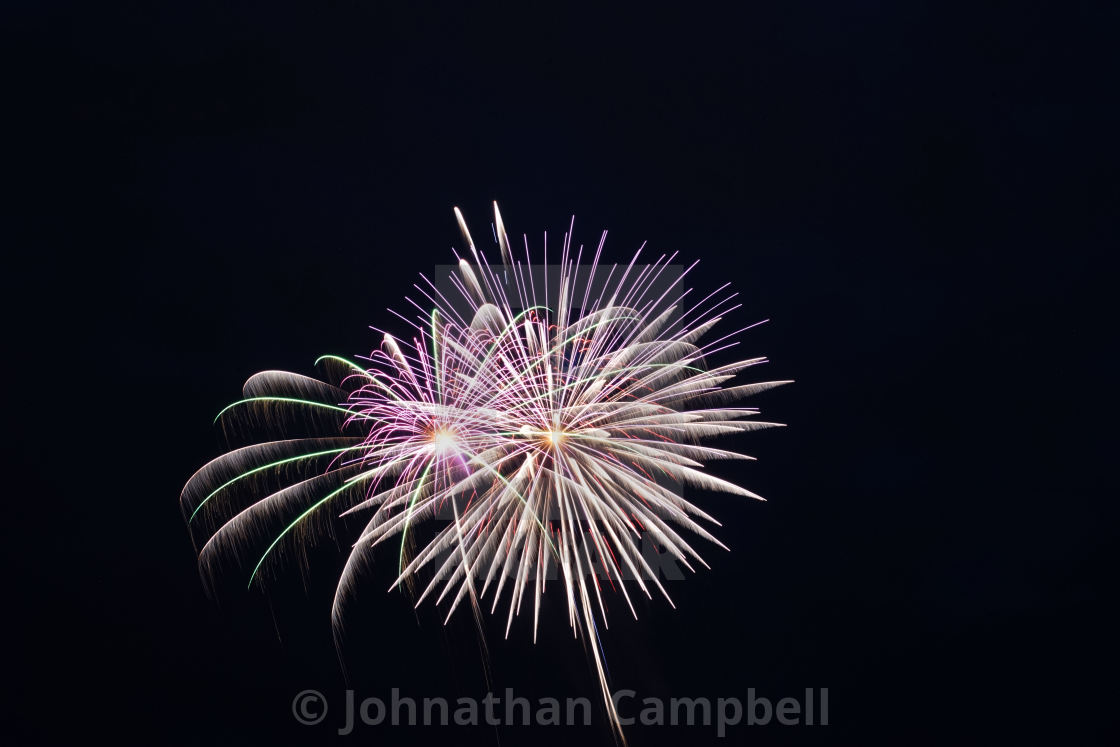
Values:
[(921, 199)]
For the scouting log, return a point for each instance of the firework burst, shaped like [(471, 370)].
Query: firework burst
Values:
[(548, 420)]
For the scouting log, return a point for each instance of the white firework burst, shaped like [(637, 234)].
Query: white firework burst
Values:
[(549, 429)]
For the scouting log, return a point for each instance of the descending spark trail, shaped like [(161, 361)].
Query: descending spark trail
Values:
[(538, 425)]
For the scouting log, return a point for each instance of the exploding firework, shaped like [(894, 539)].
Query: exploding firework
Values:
[(549, 420)]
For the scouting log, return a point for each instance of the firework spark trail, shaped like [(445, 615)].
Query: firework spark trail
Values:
[(541, 425)]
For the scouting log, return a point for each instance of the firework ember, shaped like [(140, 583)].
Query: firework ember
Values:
[(550, 429)]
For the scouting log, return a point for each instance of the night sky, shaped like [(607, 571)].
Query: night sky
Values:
[(921, 200)]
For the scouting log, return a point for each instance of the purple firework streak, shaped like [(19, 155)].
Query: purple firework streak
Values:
[(542, 426)]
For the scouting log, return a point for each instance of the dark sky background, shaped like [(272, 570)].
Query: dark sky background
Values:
[(921, 199)]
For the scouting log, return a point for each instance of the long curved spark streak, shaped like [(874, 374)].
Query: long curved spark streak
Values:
[(537, 423)]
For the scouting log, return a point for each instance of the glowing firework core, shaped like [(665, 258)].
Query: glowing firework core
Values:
[(443, 440)]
